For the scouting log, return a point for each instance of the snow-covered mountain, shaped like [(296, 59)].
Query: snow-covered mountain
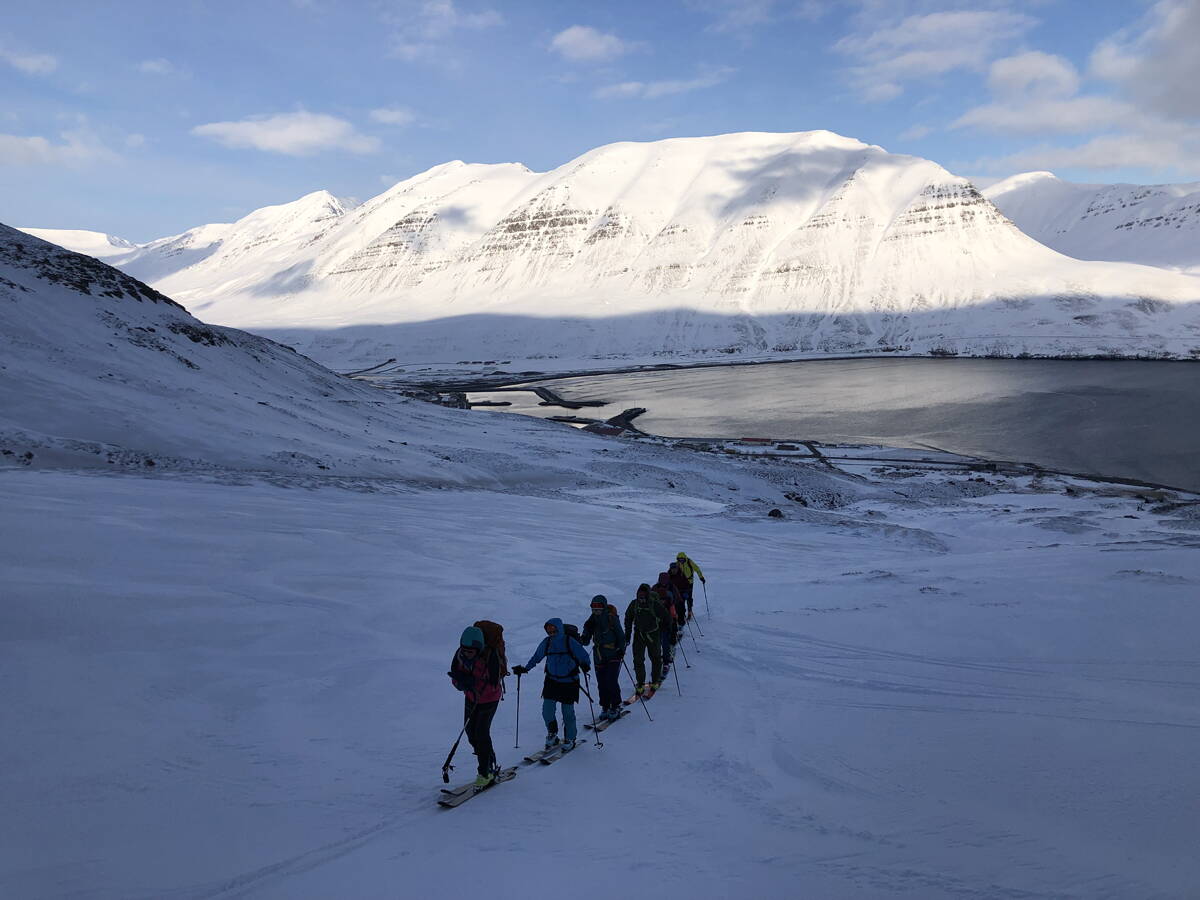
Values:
[(97, 369), (743, 244), (96, 244), (1153, 224)]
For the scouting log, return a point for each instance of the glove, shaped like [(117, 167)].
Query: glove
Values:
[(586, 667), (519, 670), (703, 580)]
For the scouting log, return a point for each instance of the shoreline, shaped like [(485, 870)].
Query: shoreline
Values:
[(443, 380), (622, 424)]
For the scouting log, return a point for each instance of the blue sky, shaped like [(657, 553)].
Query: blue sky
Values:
[(143, 119)]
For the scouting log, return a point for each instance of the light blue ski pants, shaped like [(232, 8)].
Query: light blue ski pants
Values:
[(568, 713)]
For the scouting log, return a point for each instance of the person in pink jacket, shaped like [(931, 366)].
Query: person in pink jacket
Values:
[(476, 670)]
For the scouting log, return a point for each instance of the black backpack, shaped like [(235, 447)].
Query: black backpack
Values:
[(645, 619), (608, 636)]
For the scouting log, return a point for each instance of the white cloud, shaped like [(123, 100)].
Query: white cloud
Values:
[(924, 46), (29, 63), (296, 134), (1074, 115), (1037, 93), (740, 16), (158, 66), (135, 140), (579, 43), (652, 90), (1157, 61), (915, 132), (77, 148), (396, 115), (1034, 73), (1108, 152), (423, 27)]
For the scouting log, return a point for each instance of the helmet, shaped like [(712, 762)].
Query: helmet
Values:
[(599, 602), (681, 555), (472, 637)]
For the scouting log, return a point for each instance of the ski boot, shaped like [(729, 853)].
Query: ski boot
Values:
[(485, 780), (568, 746), (552, 736)]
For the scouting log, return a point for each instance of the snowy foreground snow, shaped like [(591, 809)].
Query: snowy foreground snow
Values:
[(224, 673)]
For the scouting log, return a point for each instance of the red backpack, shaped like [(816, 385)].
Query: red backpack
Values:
[(493, 638)]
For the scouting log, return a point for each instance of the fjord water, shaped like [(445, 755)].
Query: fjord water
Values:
[(1126, 419)]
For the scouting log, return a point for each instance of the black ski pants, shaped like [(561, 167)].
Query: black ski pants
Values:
[(608, 676), (644, 645), (479, 732)]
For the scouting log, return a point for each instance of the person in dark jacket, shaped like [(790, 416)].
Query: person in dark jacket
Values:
[(604, 628), (476, 671), (645, 619), (680, 582), (675, 605), (564, 657)]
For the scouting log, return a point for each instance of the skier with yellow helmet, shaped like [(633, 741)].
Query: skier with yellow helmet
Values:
[(690, 571)]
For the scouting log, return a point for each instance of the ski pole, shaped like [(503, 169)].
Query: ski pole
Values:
[(698, 628), (675, 669), (692, 635), (588, 678), (640, 697), (517, 740), (704, 584), (685, 659), (446, 767)]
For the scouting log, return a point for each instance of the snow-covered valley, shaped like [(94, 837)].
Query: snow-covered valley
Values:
[(234, 580), (735, 246)]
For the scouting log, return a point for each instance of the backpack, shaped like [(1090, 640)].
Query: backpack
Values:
[(608, 636), (493, 639), (569, 633), (645, 620)]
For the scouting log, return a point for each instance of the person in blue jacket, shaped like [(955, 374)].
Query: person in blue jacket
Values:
[(564, 657)]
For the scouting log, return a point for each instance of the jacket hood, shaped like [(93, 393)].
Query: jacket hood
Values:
[(557, 623), (643, 588)]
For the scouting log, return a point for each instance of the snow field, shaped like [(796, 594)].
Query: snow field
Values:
[(238, 690)]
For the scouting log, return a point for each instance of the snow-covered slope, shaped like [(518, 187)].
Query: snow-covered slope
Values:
[(97, 369), (1154, 224), (90, 243), (743, 244)]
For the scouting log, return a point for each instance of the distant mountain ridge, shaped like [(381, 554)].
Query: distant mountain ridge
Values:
[(739, 245), (1151, 224)]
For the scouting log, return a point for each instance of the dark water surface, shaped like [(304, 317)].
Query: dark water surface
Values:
[(1125, 419)]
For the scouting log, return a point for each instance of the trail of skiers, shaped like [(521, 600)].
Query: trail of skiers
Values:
[(653, 625)]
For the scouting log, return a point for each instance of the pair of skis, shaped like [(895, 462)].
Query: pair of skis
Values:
[(551, 754), (645, 695), (457, 796), (604, 723)]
